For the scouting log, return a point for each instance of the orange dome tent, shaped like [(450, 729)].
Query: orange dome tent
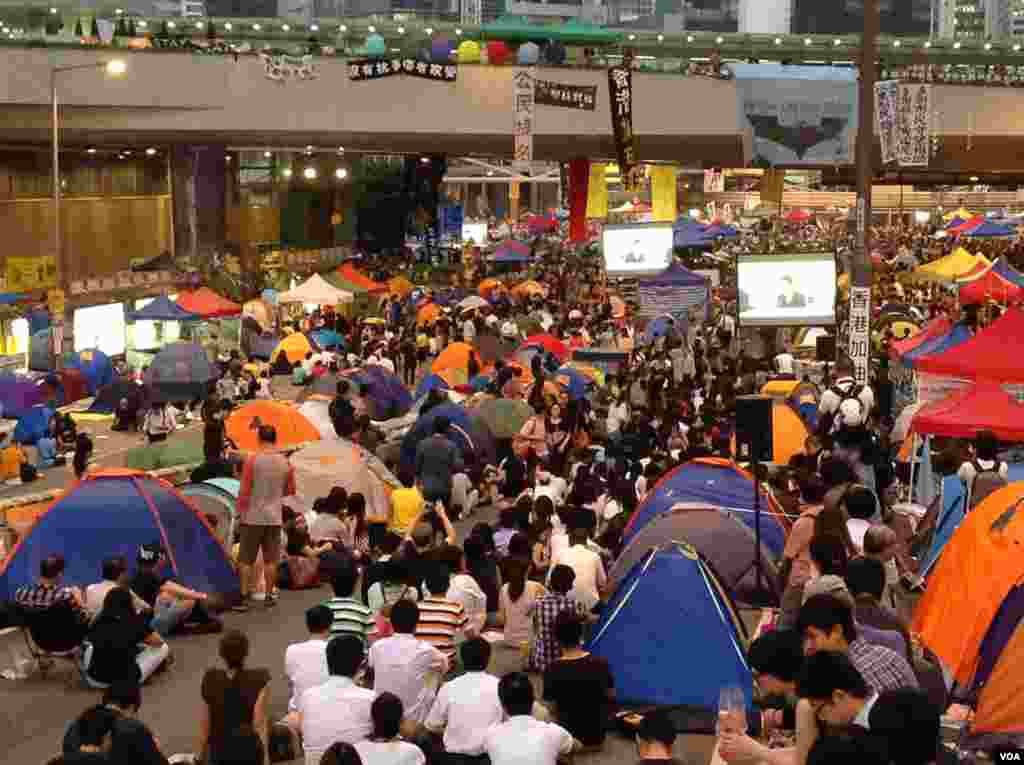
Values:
[(292, 428), (428, 314), (400, 286), (455, 356), (490, 286)]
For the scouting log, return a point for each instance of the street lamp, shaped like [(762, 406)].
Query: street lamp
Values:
[(113, 68)]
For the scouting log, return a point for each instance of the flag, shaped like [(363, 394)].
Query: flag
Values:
[(597, 192), (663, 194)]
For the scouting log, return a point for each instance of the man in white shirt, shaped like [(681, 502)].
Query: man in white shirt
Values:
[(590, 574), (305, 664), (338, 710), (551, 486), (405, 666), (463, 588), (113, 572), (523, 740), (466, 708), (845, 388)]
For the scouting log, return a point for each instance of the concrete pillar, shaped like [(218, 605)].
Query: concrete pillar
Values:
[(198, 191)]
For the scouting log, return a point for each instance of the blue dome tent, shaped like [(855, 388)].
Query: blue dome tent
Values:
[(472, 438), (95, 366), (32, 425), (113, 512)]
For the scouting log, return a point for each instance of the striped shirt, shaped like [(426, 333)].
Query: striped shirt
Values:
[(350, 618), (441, 621)]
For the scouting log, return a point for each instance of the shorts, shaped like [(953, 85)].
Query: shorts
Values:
[(252, 539)]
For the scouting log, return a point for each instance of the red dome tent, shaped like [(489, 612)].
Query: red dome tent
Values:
[(990, 286), (207, 303), (988, 355), (984, 406)]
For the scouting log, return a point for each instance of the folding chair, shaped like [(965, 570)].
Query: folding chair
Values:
[(52, 635)]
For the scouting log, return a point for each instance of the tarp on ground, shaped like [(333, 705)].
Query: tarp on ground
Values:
[(180, 372), (316, 290), (987, 355), (162, 308), (114, 512), (207, 303), (964, 413), (671, 635), (184, 448), (978, 568), (722, 539), (716, 482)]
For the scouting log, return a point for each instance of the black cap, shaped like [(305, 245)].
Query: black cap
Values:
[(151, 552)]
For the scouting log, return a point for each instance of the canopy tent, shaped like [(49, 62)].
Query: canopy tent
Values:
[(321, 466), (990, 286), (934, 328), (208, 304), (316, 290), (114, 512), (293, 430), (988, 229), (180, 372), (352, 274), (338, 281), (472, 438), (978, 569), (956, 265), (671, 634), (983, 406), (217, 501), (957, 335), (1008, 272), (716, 482), (260, 311), (676, 290), (162, 308), (987, 355), (722, 539)]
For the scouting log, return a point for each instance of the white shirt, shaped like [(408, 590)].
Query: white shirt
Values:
[(338, 710), (463, 492), (95, 594), (967, 473), (305, 665), (863, 716), (618, 415), (784, 363), (590, 576), (858, 528), (465, 709), (555, 488), (403, 666), (830, 401), (522, 740), (390, 753), (464, 589)]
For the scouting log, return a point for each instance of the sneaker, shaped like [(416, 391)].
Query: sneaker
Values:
[(241, 607)]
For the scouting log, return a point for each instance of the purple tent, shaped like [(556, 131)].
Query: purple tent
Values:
[(18, 394), (674, 291)]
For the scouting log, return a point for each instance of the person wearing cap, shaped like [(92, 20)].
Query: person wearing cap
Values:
[(267, 478), (173, 605)]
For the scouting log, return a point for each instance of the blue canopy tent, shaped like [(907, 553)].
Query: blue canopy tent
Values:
[(470, 437), (989, 230), (939, 345), (674, 291), (162, 308), (114, 512), (672, 637), (718, 483)]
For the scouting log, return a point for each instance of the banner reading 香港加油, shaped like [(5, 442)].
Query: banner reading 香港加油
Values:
[(799, 115)]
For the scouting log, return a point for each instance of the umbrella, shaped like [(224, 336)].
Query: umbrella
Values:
[(797, 216), (388, 394), (242, 425), (573, 381), (328, 338), (428, 314), (488, 286), (180, 449), (472, 302), (987, 229), (505, 417), (455, 356), (549, 343)]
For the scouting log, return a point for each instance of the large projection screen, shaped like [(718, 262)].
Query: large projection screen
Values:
[(787, 290), (637, 249)]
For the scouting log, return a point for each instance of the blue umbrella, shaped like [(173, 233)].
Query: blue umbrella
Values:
[(480, 383), (389, 395), (328, 338), (429, 383), (573, 381), (661, 326), (471, 437)]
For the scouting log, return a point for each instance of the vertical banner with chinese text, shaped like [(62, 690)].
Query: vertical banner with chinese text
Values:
[(522, 115), (620, 98), (579, 179), (860, 332)]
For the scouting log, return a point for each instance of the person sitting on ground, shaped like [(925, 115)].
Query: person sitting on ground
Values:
[(384, 746), (328, 526), (48, 597), (93, 738), (336, 710), (114, 572), (233, 697), (464, 588), (655, 737), (590, 580), (305, 663), (241, 747), (349, 616), (158, 423), (521, 738), (517, 600), (12, 457), (174, 606), (467, 706), (126, 416), (83, 453), (579, 684), (402, 664), (406, 506), (909, 723), (544, 647), (123, 733), (113, 646), (442, 622), (263, 389)]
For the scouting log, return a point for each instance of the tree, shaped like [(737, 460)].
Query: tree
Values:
[(211, 31), (164, 29), (132, 32), (94, 29), (79, 32)]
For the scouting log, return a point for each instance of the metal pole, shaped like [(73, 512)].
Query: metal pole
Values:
[(58, 260)]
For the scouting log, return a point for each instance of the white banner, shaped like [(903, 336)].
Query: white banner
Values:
[(914, 121), (886, 94), (522, 115), (860, 332)]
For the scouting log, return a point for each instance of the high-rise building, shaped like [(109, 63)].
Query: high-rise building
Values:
[(974, 19), (1016, 11), (768, 17), (712, 15), (845, 17)]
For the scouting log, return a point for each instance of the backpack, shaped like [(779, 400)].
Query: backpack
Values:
[(985, 482), (853, 394)]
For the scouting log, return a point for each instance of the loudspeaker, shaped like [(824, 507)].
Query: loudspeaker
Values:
[(754, 441), (825, 349)]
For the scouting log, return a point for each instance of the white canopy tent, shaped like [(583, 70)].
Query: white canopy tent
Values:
[(316, 290)]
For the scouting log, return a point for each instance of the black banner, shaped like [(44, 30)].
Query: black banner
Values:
[(620, 97), (549, 93), (376, 69)]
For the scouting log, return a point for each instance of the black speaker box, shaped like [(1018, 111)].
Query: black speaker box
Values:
[(825, 349), (754, 441)]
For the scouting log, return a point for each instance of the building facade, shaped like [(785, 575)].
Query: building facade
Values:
[(765, 16), (976, 19)]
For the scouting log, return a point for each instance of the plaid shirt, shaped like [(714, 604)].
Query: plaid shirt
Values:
[(544, 649), (882, 668), (40, 597)]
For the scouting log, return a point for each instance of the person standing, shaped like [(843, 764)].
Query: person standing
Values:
[(437, 462), (267, 478)]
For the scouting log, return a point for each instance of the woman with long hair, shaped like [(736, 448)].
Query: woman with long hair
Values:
[(558, 438), (516, 603), (113, 653)]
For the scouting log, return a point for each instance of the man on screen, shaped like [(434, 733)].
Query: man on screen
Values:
[(635, 253), (790, 298)]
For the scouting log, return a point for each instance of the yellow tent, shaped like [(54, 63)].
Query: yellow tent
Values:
[(788, 433), (400, 286), (963, 214), (956, 265), (295, 347)]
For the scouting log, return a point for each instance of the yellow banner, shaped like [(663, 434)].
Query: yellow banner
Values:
[(597, 192), (27, 274), (663, 194)]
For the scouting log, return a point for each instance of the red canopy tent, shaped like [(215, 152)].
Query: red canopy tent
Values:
[(934, 328), (990, 286), (989, 355), (352, 274), (207, 303), (984, 406)]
